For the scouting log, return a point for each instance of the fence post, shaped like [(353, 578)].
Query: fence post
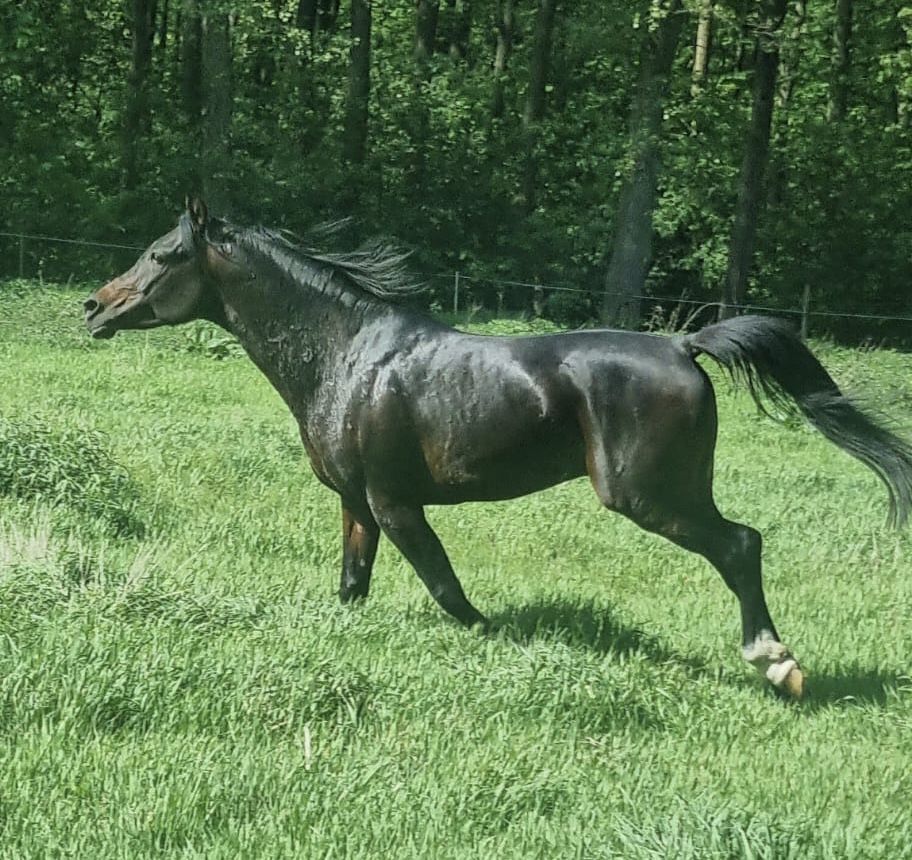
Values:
[(456, 294), (805, 301), (21, 257)]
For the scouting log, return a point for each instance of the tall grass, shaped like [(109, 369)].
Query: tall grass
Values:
[(69, 466), (196, 691)]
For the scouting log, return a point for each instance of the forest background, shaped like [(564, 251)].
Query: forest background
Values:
[(716, 151)]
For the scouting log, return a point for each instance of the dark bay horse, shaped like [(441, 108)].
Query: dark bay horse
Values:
[(398, 411)]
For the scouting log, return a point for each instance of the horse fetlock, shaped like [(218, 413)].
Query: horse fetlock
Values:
[(349, 593), (775, 662)]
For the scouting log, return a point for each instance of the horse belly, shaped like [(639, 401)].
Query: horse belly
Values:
[(504, 465)]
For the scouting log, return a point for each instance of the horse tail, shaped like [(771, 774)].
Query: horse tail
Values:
[(767, 356)]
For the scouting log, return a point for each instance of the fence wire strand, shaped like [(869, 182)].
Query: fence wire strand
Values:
[(63, 241), (562, 288), (676, 299)]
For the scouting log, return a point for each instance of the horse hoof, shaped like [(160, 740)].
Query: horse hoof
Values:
[(793, 684), (787, 677), (480, 627), (772, 660)]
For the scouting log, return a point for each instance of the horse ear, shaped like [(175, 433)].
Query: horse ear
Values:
[(199, 214)]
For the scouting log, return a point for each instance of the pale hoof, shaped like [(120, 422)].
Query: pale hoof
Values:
[(773, 660), (793, 685)]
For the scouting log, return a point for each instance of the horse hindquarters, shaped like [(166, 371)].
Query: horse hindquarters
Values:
[(649, 455), (649, 430)]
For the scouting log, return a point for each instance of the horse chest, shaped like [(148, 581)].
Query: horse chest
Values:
[(328, 437)]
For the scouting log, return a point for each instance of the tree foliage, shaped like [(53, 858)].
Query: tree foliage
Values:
[(110, 112)]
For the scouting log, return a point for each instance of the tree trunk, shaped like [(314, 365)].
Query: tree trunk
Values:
[(459, 38), (631, 251), (701, 48), (789, 56), (426, 28), (328, 14), (136, 120), (306, 16), (753, 165), (356, 110), (535, 98), (191, 61), (75, 48), (504, 24), (216, 56), (840, 62), (163, 29)]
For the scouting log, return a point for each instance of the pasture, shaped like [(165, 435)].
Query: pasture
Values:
[(177, 678)]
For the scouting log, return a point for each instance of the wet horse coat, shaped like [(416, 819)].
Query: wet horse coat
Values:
[(398, 411)]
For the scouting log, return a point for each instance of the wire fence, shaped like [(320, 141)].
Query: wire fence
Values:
[(462, 286), (32, 264), (672, 300)]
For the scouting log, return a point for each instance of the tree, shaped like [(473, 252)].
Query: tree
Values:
[(790, 54), (462, 27), (503, 24), (136, 117), (217, 101), (756, 151), (307, 18), (191, 62), (426, 28), (163, 28), (631, 251), (522, 144), (902, 87), (356, 111), (535, 97), (701, 47), (840, 61)]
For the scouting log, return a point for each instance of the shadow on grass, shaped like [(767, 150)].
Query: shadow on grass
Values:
[(855, 686), (591, 628), (595, 629)]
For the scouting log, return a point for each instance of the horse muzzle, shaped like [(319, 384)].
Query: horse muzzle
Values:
[(127, 310)]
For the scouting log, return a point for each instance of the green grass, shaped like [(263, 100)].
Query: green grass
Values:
[(192, 689)]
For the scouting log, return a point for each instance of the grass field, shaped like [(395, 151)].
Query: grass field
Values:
[(178, 680)]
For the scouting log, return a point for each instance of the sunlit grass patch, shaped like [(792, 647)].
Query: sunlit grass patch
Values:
[(196, 690), (69, 466)]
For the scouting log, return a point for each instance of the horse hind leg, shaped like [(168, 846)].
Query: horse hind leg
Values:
[(681, 509), (735, 551)]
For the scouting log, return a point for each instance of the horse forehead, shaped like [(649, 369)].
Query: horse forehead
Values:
[(169, 242)]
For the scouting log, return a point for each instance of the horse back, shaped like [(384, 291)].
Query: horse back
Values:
[(464, 417)]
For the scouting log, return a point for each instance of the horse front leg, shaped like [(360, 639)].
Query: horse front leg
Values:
[(360, 534), (408, 529)]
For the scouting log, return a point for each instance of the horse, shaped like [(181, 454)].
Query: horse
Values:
[(398, 411)]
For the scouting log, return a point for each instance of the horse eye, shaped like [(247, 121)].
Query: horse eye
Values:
[(157, 258)]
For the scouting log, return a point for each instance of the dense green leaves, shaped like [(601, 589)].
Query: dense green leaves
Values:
[(442, 172)]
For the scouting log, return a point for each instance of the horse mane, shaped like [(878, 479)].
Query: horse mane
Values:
[(376, 267)]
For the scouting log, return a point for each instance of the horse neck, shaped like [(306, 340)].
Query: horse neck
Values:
[(295, 328)]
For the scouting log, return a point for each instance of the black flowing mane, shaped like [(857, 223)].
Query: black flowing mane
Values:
[(376, 267)]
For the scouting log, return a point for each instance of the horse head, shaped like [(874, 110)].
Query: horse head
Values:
[(170, 283)]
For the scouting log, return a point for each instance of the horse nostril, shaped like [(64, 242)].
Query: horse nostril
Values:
[(91, 306)]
